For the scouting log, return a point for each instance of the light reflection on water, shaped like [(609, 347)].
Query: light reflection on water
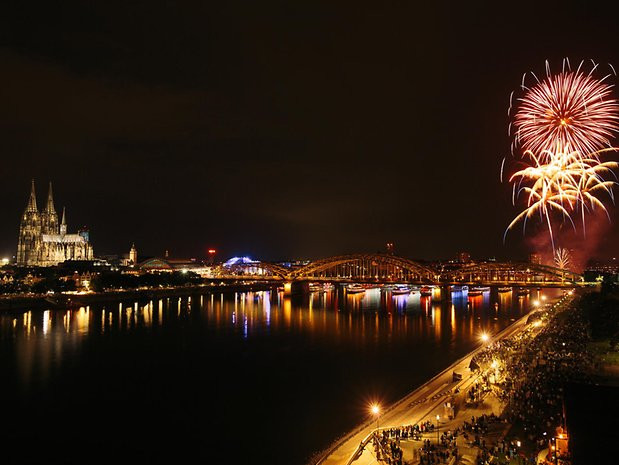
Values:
[(43, 337)]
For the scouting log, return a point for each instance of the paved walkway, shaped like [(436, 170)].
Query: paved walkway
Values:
[(421, 405)]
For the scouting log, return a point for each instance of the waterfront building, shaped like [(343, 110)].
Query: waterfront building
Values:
[(602, 271), (44, 241), (157, 264), (608, 267)]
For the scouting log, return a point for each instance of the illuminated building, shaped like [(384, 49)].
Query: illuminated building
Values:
[(157, 264), (43, 241), (133, 255), (464, 257), (604, 267), (535, 258)]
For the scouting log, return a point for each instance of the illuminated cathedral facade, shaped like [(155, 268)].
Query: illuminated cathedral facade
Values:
[(43, 240)]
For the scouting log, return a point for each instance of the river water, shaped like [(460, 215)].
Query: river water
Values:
[(251, 377)]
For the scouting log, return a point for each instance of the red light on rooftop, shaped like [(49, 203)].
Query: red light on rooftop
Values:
[(211, 251)]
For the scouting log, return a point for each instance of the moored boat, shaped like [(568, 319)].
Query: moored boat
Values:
[(401, 289), (355, 288), (504, 289), (481, 288), (425, 291), (478, 290), (457, 288)]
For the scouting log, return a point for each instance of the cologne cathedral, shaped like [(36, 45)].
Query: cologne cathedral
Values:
[(43, 240)]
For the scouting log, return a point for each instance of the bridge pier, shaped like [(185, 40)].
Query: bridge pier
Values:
[(445, 292), (440, 293), (296, 287), (287, 288)]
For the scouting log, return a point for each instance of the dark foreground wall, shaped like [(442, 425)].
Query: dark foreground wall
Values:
[(592, 413)]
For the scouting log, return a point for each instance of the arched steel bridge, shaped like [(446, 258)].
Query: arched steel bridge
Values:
[(509, 272), (383, 268)]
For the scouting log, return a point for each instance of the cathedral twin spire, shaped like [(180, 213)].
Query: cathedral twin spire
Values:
[(43, 241), (49, 217), (32, 202)]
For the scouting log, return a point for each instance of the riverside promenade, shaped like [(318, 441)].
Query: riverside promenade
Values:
[(64, 301), (423, 404)]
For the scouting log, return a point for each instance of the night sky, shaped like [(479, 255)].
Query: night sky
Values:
[(286, 129)]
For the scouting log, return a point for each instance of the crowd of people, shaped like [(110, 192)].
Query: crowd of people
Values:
[(479, 425), (532, 367), (527, 371), (387, 445), (431, 454), (478, 390)]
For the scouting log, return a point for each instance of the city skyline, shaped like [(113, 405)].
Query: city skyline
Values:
[(281, 132), (388, 248)]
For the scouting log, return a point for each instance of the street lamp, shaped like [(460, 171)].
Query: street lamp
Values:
[(484, 337), (375, 409), (437, 428)]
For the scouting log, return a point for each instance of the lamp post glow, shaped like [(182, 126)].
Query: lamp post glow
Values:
[(437, 428), (484, 337), (375, 409)]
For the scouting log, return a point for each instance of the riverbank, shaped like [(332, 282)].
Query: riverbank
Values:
[(63, 301), (416, 407)]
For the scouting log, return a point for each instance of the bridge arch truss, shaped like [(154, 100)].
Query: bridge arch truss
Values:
[(365, 267), (510, 272)]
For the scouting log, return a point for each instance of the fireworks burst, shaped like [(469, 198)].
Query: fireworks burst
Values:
[(560, 185), (562, 125), (569, 111), (562, 258)]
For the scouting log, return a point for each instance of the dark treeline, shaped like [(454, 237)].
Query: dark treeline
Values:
[(117, 280)]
